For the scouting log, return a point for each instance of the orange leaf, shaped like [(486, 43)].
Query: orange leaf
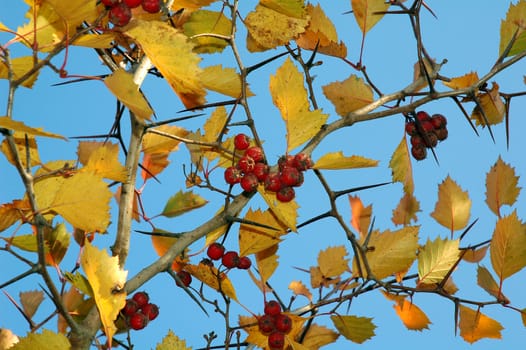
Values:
[(453, 207), (406, 210), (298, 288), (508, 246), (400, 165), (361, 216), (486, 281), (462, 82), (348, 95), (474, 325), (161, 244), (475, 256), (492, 105), (412, 316), (365, 12), (501, 186)]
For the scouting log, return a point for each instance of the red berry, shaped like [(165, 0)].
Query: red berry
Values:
[(184, 278), (276, 340), (286, 160), (138, 321), (302, 161), (130, 307), (110, 3), (438, 121), (272, 308), (141, 298), (266, 324), (255, 153), (289, 176), (419, 153), (285, 194), (241, 142), (151, 311), (410, 128), (215, 251), (272, 182), (120, 15), (246, 164), (244, 263), (427, 126), (230, 259), (430, 139), (417, 140), (133, 3), (232, 175), (249, 182), (441, 133), (283, 323), (422, 116), (261, 171), (151, 6)]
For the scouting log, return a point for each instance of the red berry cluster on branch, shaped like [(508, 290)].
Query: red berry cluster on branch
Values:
[(425, 132), (251, 170), (120, 10), (275, 325), (229, 259), (138, 311)]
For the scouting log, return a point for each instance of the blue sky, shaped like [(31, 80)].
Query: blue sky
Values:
[(466, 33)]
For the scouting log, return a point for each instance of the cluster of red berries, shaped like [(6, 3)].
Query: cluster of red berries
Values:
[(275, 325), (138, 311), (229, 259), (425, 132), (251, 170), (120, 10)]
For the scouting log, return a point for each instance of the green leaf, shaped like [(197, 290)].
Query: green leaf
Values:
[(354, 328), (181, 203), (436, 258)]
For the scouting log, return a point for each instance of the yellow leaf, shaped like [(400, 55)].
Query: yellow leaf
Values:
[(290, 96), (47, 340), (181, 203), (171, 52), (82, 199), (486, 281), (12, 212), (474, 325), (435, 260), (508, 246), (515, 22), (412, 316), (390, 252), (104, 161), (318, 280), (271, 25), (406, 210), (267, 262), (322, 34), (464, 81), (57, 243), (318, 336), (360, 215), (31, 301), (121, 84), (215, 124), (223, 80), (332, 261), (73, 300), (365, 12), (107, 281), (354, 328), (19, 67), (24, 146), (96, 41), (253, 238), (20, 127), (172, 342), (7, 339), (475, 255), (204, 22), (336, 160), (348, 95), (400, 165), (211, 276), (453, 207), (492, 105), (190, 5), (501, 186), (298, 288), (287, 213)]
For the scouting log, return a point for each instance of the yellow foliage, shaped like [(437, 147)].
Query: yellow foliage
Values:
[(336, 160), (400, 165), (464, 81), (253, 238), (436, 259), (354, 328), (406, 210), (348, 95), (501, 186), (365, 12), (211, 276), (492, 105), (19, 67), (453, 208)]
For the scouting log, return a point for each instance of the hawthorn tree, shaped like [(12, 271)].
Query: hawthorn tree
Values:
[(75, 225)]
